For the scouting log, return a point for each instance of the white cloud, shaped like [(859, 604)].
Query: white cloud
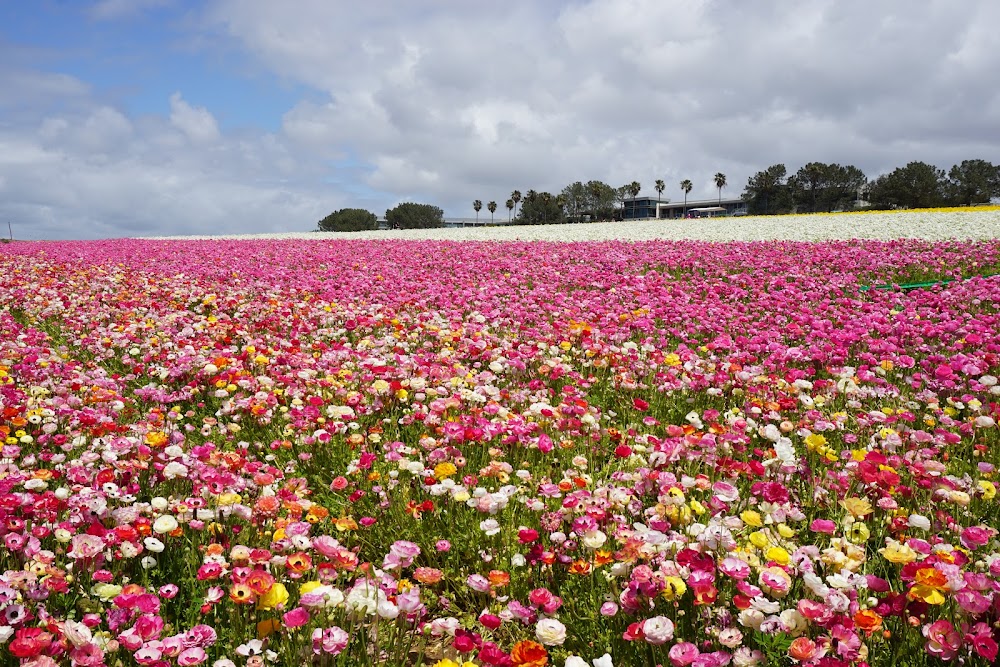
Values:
[(198, 123), (490, 98), (450, 101)]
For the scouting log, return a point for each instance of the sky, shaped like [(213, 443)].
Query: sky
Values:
[(160, 117)]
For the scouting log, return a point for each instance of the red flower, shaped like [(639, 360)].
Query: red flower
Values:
[(529, 654)]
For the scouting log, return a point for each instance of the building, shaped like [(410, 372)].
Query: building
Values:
[(646, 208)]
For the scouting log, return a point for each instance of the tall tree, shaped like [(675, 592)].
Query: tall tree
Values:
[(492, 206), (540, 208), (601, 199), (634, 188), (477, 206), (917, 185), (686, 186), (349, 220), (621, 194), (720, 182), (515, 197), (973, 182), (576, 199), (659, 186), (767, 193), (414, 216), (510, 207)]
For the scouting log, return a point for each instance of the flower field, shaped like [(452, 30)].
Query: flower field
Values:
[(522, 454)]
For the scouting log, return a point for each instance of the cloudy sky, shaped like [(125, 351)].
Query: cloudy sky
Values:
[(152, 117)]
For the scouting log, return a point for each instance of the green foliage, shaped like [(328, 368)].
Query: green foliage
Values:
[(973, 182), (415, 216), (601, 199), (349, 220), (917, 185), (541, 208), (767, 192), (825, 187)]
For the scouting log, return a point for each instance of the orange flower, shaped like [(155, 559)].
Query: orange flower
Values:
[(317, 513), (868, 620), (241, 594), (603, 557), (529, 654), (259, 581), (267, 505), (579, 567), (345, 524), (428, 575), (498, 578), (299, 562), (931, 576)]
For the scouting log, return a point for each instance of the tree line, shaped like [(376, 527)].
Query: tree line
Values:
[(577, 202), (821, 187), (815, 187)]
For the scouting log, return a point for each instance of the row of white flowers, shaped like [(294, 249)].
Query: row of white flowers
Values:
[(932, 225)]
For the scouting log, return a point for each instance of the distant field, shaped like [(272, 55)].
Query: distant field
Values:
[(979, 223)]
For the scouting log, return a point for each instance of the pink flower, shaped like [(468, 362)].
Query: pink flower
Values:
[(683, 654), (823, 526), (86, 546), (658, 630), (296, 617), (478, 582), (192, 656), (332, 640), (490, 621), (87, 655), (943, 641)]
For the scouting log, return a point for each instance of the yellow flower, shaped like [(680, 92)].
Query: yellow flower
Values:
[(278, 595), (927, 594), (752, 518), (815, 441), (675, 588), (697, 507), (894, 552), (785, 530), (444, 470), (858, 507), (759, 539), (778, 555), (858, 532), (229, 498), (989, 490), (308, 587)]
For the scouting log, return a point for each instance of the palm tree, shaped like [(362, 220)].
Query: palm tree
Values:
[(720, 182), (478, 205), (515, 197), (686, 186), (660, 186), (510, 207), (634, 188), (492, 206)]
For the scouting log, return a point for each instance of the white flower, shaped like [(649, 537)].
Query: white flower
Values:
[(594, 539), (658, 630), (152, 544), (175, 470), (490, 526), (550, 632), (920, 522), (604, 661), (164, 524)]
